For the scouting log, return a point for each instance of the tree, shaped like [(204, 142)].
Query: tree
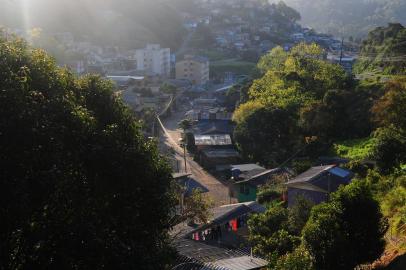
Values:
[(346, 231), (185, 124), (299, 259), (269, 233), (81, 188), (390, 148), (267, 135), (390, 108), (197, 207), (299, 214)]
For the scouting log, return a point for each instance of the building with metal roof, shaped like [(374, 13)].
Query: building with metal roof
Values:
[(248, 183), (213, 140), (211, 257), (195, 246), (212, 157), (317, 183)]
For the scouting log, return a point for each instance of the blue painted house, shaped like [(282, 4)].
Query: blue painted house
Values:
[(317, 183)]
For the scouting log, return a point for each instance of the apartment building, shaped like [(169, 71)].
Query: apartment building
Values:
[(193, 68), (154, 60)]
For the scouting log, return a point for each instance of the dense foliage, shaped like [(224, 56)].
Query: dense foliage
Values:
[(80, 186), (346, 231), (384, 49), (340, 234), (299, 96)]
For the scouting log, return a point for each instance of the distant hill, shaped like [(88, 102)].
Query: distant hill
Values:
[(127, 23), (349, 17), (384, 50)]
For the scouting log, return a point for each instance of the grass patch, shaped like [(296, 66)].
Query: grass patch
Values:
[(233, 65), (354, 149), (214, 55)]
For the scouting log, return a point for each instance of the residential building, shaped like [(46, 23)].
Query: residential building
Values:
[(221, 243), (194, 69), (213, 140), (216, 245), (248, 183), (212, 157), (154, 60), (317, 183)]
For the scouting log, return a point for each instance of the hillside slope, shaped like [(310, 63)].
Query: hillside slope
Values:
[(349, 17), (384, 50)]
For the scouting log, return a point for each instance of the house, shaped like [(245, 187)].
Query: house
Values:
[(237, 170), (317, 183), (248, 183), (209, 127), (210, 158), (154, 60), (217, 113), (227, 225), (193, 68), (199, 255), (208, 141)]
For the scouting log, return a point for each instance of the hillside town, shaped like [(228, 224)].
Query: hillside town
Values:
[(186, 99), (165, 87)]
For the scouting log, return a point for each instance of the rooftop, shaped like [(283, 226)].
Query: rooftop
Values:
[(221, 153), (246, 167), (258, 176), (213, 140), (217, 257), (311, 174)]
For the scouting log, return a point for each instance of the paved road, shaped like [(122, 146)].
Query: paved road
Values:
[(218, 191)]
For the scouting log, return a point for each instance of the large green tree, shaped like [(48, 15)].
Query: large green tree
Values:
[(299, 95), (346, 231), (80, 186)]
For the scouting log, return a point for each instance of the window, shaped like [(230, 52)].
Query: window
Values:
[(244, 190)]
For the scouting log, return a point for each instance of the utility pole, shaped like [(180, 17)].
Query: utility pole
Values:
[(184, 155), (342, 48)]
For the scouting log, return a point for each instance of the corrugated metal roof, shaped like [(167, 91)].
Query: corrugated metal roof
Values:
[(310, 174), (246, 167), (257, 178), (221, 153), (213, 140), (217, 257), (241, 263)]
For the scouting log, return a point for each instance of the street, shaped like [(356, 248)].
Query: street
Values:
[(218, 191)]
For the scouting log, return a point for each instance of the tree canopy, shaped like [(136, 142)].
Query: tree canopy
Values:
[(81, 187), (346, 231), (299, 95)]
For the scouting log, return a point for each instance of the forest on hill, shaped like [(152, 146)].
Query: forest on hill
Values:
[(349, 17), (121, 23), (384, 50)]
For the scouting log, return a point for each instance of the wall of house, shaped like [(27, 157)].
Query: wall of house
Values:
[(246, 193), (314, 196)]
